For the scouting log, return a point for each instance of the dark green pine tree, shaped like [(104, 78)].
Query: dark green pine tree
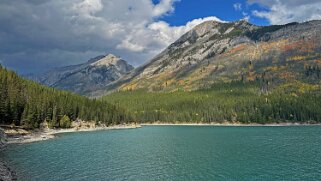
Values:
[(28, 104)]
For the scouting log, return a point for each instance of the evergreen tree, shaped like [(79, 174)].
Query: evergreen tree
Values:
[(28, 104)]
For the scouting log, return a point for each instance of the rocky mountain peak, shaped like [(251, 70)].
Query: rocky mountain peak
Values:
[(85, 78), (242, 22), (215, 30), (206, 27), (107, 60), (216, 27)]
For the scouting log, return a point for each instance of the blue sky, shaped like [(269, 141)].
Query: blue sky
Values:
[(187, 10), (38, 35)]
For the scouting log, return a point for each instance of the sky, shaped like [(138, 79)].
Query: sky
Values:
[(38, 35)]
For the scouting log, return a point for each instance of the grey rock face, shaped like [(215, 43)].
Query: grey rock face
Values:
[(88, 77)]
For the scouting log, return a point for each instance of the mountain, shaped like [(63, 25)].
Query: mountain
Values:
[(222, 52), (87, 77)]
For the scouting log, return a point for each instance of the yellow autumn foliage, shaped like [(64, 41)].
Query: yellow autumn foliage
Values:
[(296, 58)]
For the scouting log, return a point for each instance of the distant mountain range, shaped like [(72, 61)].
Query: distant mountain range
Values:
[(211, 52), (88, 77), (215, 52)]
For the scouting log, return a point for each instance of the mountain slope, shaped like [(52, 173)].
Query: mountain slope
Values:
[(215, 52), (85, 78)]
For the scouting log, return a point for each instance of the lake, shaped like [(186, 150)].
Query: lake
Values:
[(174, 153)]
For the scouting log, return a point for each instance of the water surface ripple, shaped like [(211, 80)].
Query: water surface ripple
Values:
[(173, 153)]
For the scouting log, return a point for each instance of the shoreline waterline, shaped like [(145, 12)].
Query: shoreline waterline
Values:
[(42, 135), (231, 124), (47, 134)]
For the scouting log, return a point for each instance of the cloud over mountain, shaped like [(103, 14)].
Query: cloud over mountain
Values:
[(285, 11), (41, 34)]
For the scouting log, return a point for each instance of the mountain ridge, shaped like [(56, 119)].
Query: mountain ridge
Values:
[(214, 51)]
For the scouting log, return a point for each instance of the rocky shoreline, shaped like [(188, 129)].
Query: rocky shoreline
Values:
[(6, 173), (22, 136)]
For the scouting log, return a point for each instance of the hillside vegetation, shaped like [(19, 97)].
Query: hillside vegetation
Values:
[(225, 102), (26, 103)]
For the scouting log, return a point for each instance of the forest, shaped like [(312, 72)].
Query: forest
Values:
[(28, 104), (241, 102)]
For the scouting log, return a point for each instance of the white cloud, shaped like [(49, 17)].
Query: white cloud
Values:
[(163, 7), (42, 33), (88, 7), (237, 6), (285, 11), (130, 45), (246, 18)]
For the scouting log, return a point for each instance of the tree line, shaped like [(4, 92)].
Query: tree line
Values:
[(237, 101)]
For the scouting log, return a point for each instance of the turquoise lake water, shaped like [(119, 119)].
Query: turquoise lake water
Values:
[(173, 153)]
